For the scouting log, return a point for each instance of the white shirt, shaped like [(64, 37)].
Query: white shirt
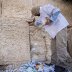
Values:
[(58, 24)]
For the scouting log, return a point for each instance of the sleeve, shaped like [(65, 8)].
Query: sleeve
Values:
[(54, 14)]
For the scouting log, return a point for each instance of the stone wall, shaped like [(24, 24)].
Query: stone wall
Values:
[(16, 8), (14, 41), (40, 45), (14, 31)]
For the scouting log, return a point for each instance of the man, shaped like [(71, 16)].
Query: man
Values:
[(55, 24)]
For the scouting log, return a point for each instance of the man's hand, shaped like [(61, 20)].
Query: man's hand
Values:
[(31, 21)]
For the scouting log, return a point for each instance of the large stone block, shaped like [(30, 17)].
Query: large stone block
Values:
[(14, 32), (16, 8), (14, 41), (70, 41), (40, 45), (37, 44)]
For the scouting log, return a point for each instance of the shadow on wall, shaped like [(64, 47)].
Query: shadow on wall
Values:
[(70, 41), (3, 67), (68, 1)]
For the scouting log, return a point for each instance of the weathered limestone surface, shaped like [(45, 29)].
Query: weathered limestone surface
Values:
[(37, 44), (16, 8), (70, 41), (40, 45), (14, 31), (14, 41)]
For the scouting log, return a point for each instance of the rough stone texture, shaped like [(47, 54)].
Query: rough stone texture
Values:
[(37, 45), (40, 45), (70, 41), (14, 41), (14, 9)]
